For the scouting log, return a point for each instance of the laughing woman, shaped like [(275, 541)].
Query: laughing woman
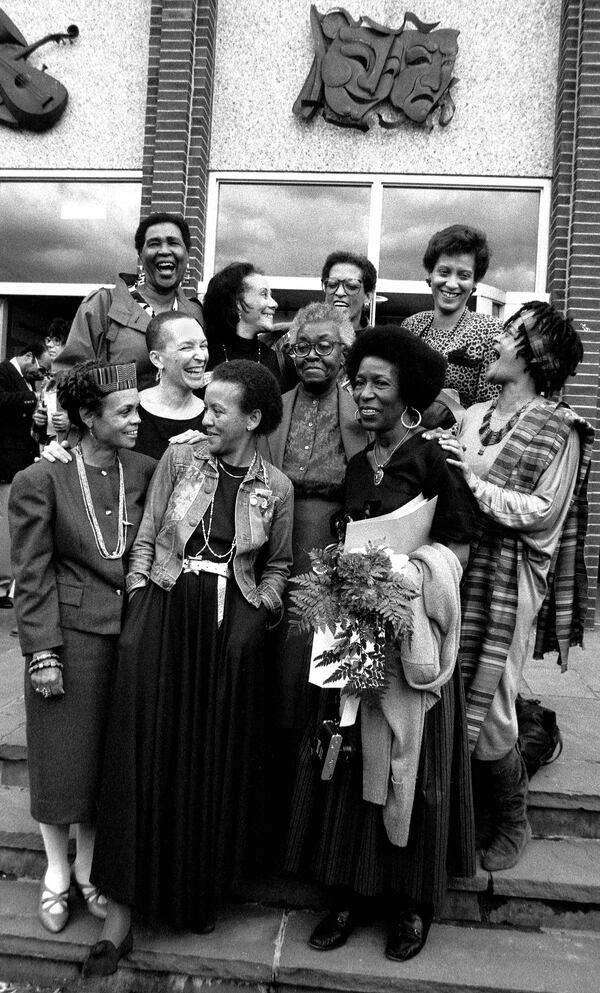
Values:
[(455, 260), (183, 791)]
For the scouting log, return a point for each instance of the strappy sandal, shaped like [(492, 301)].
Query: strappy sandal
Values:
[(48, 900), (92, 896)]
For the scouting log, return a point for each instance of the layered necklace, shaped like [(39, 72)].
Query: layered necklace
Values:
[(257, 346), (91, 513), (228, 555), (489, 437), (378, 473), (453, 329)]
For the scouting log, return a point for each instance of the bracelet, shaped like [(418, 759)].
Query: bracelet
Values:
[(44, 655), (47, 664)]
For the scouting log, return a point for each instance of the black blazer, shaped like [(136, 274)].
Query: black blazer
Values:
[(17, 405)]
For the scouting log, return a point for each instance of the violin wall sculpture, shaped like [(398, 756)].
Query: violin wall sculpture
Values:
[(29, 98), (364, 71)]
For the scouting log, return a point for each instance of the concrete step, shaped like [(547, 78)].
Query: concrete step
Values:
[(258, 948), (556, 883)]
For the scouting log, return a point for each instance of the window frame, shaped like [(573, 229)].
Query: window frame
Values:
[(487, 298)]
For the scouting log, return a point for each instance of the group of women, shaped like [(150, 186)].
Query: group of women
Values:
[(152, 608)]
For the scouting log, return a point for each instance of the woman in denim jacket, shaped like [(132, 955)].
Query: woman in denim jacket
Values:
[(183, 789)]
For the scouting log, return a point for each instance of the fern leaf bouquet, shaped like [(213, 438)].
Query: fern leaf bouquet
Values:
[(362, 599)]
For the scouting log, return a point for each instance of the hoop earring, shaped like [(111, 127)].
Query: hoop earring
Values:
[(417, 421), (357, 414), (158, 376)]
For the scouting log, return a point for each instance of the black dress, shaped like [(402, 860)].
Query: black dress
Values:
[(336, 836), (154, 431), (183, 784)]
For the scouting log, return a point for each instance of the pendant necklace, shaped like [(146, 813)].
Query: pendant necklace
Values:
[(487, 436), (258, 350), (91, 513), (228, 555), (378, 473)]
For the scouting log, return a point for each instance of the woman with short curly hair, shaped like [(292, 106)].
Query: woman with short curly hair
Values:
[(184, 780), (72, 528), (455, 260)]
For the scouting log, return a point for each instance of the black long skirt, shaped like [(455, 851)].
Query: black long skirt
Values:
[(183, 782), (340, 840)]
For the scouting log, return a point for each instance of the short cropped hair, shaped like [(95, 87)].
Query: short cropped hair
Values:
[(420, 370), (36, 348), (156, 333), (315, 313), (459, 239), (259, 390), (369, 272), (162, 217)]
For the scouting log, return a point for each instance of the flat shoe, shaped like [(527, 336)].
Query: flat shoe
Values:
[(103, 957), (406, 936), (92, 896), (333, 931), (6, 603), (48, 899)]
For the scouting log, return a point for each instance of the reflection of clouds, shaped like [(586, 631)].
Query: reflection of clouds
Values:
[(38, 246), (288, 230), (509, 219)]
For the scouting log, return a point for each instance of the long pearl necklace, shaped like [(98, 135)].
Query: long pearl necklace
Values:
[(91, 513)]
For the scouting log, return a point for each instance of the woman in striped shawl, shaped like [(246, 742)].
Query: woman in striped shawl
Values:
[(526, 459)]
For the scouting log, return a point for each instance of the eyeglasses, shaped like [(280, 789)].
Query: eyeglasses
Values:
[(303, 348), (351, 286)]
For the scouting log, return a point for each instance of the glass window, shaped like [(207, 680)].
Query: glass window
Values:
[(67, 232), (509, 217), (289, 229)]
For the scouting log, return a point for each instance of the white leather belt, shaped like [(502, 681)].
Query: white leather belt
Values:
[(194, 564), (197, 564)]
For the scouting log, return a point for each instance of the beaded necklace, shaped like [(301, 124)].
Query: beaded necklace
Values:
[(228, 555), (91, 514), (489, 437), (454, 329)]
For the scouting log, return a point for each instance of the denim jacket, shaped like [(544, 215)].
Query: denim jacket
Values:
[(180, 493)]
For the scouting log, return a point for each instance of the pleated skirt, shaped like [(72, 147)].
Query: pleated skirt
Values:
[(184, 777), (339, 839)]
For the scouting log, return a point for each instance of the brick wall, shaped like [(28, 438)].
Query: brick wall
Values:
[(178, 110), (574, 271)]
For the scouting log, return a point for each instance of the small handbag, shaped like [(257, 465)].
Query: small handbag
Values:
[(540, 740)]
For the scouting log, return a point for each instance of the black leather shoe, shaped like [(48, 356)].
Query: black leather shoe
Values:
[(103, 957), (333, 931), (5, 602), (406, 936)]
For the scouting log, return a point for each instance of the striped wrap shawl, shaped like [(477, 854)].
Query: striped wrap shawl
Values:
[(489, 590)]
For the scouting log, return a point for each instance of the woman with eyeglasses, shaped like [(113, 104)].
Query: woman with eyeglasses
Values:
[(238, 312), (317, 437), (455, 260), (349, 281)]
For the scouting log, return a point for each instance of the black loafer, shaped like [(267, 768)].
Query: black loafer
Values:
[(103, 957), (406, 936), (333, 931)]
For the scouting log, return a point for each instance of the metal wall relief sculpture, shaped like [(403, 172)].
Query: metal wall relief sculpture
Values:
[(364, 72), (29, 97)]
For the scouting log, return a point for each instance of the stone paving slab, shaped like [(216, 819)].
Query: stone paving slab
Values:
[(470, 959), (267, 950), (566, 870)]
